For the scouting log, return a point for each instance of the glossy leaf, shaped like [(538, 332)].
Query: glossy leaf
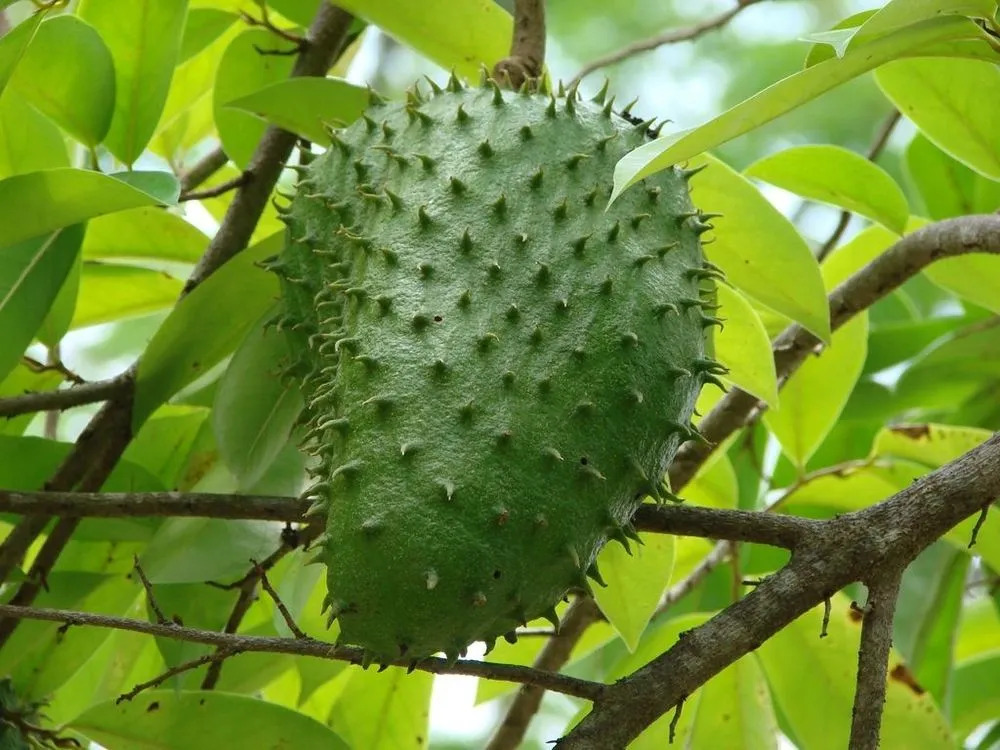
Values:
[(68, 74), (192, 550), (164, 443), (782, 97), (812, 680), (836, 176), (255, 408), (932, 445), (758, 248), (143, 37), (304, 105), (813, 398), (834, 42), (31, 275), (145, 234), (735, 710), (113, 292), (205, 326), (459, 35), (897, 14), (242, 71), (948, 187), (955, 103), (200, 720), (973, 277), (60, 314), (384, 710), (69, 196), (202, 27), (744, 347), (14, 44), (635, 584), (30, 140)]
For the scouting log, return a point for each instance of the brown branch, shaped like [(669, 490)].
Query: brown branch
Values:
[(308, 647), (671, 37), (56, 365), (202, 169), (148, 587), (285, 614), (733, 525), (229, 185), (881, 139), (909, 256), (76, 395), (887, 535), (216, 656), (511, 730), (873, 659), (527, 48)]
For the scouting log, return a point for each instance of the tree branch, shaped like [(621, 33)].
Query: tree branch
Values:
[(307, 647), (909, 256), (848, 548), (873, 659), (733, 525), (527, 48), (204, 168), (671, 37), (76, 395)]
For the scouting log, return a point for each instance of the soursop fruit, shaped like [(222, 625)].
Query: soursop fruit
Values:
[(497, 366)]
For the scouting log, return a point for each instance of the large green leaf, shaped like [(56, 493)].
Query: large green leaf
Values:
[(146, 233), (14, 44), (39, 202), (735, 710), (164, 443), (759, 249), (192, 550), (242, 71), (60, 314), (459, 35), (201, 720), (784, 96), (932, 445), (255, 408), (976, 694), (900, 13), (202, 27), (205, 326), (635, 584), (114, 292), (143, 37), (383, 710), (839, 177), (972, 277), (68, 74), (304, 105), (812, 680), (743, 346), (31, 275), (948, 187), (30, 141), (19, 381), (955, 103)]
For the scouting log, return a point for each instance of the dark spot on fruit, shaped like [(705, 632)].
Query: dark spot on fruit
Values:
[(583, 460), (496, 574), (438, 318)]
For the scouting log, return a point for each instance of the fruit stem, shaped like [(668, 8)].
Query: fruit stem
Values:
[(527, 47)]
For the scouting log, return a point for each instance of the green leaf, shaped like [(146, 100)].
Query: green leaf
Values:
[(972, 277), (838, 177), (30, 141), (735, 710), (205, 326), (948, 188), (459, 35), (782, 97), (164, 443), (68, 74), (67, 195), (143, 37), (634, 584), (242, 71), (161, 185), (975, 694), (759, 249), (383, 710), (255, 408), (202, 27), (977, 631), (955, 103), (303, 105), (144, 234), (14, 44), (31, 274), (192, 550), (932, 445), (60, 315), (834, 42), (21, 380), (201, 720), (813, 398), (900, 13), (812, 680), (113, 292), (743, 347)]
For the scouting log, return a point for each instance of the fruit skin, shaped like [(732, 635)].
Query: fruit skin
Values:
[(497, 367)]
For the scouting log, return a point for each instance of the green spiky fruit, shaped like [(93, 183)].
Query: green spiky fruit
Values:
[(497, 368)]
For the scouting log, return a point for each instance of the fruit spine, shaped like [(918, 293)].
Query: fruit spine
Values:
[(497, 367)]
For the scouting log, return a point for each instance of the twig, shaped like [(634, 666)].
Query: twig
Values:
[(204, 168), (527, 46), (265, 22), (827, 609), (215, 656), (881, 139), (50, 429), (979, 525), (672, 735), (237, 182), (77, 395), (308, 647), (266, 585), (150, 597), (510, 732), (671, 37), (55, 366), (873, 660)]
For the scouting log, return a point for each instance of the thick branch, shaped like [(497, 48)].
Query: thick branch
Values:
[(527, 47), (905, 259), (733, 525), (76, 395), (307, 647), (873, 659), (671, 37), (848, 548)]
